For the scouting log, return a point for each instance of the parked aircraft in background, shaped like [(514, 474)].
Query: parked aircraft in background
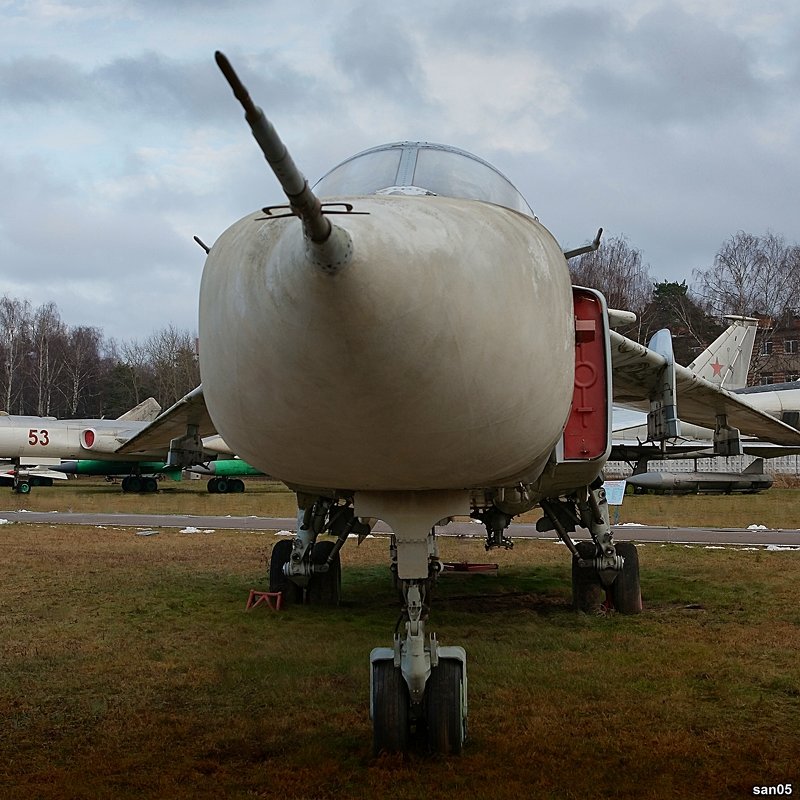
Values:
[(33, 475), (726, 361), (410, 348), (45, 441), (27, 441), (138, 476), (632, 442), (226, 474), (751, 480)]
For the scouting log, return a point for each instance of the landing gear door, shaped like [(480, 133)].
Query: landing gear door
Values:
[(587, 434)]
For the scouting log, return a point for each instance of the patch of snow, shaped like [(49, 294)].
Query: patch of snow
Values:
[(774, 547), (192, 529), (284, 533), (147, 533), (5, 522), (756, 527), (630, 525), (714, 547)]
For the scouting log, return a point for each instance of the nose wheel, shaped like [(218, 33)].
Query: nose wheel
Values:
[(391, 724), (445, 708)]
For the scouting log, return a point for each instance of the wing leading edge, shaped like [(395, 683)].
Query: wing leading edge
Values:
[(189, 411)]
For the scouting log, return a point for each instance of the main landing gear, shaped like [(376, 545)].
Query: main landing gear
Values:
[(605, 575), (225, 485), (138, 484), (307, 570)]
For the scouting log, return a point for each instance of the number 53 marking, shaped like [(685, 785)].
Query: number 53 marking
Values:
[(38, 436)]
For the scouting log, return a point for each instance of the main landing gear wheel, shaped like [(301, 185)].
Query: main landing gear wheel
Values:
[(588, 594), (23, 487), (137, 484), (444, 708), (325, 588), (390, 701), (626, 590), (132, 483), (278, 582), (225, 486)]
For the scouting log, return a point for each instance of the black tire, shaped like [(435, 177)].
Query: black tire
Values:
[(222, 486), (134, 484), (588, 594), (626, 590), (23, 487), (390, 725), (212, 485), (444, 708), (236, 486), (278, 582), (149, 485), (325, 588)]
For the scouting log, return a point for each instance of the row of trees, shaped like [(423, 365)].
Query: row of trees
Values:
[(49, 368), (752, 276)]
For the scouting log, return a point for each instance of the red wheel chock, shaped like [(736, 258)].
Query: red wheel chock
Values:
[(256, 598)]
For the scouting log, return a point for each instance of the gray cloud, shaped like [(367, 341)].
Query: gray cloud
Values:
[(676, 67), (152, 86), (673, 128), (374, 50)]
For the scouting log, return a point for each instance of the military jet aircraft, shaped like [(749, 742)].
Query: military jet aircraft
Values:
[(27, 440), (45, 441), (404, 343), (226, 473)]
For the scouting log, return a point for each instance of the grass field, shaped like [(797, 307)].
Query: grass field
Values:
[(129, 669)]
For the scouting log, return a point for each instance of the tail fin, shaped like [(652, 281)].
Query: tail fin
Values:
[(726, 361), (146, 411), (756, 468)]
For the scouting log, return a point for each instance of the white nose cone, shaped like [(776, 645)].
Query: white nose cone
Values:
[(441, 356)]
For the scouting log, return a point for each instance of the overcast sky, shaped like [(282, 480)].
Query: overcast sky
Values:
[(673, 123)]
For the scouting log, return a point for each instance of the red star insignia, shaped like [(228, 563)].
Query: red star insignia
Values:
[(717, 367)]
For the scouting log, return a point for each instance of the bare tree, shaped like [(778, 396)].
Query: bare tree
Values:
[(173, 359), (15, 319), (138, 370), (752, 275), (82, 358), (616, 269), (48, 340)]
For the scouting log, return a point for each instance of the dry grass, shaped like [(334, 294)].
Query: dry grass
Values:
[(129, 668), (777, 508), (262, 497)]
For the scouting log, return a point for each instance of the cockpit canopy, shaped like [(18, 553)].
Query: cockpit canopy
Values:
[(424, 169)]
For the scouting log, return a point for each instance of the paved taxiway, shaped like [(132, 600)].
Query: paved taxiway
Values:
[(639, 533)]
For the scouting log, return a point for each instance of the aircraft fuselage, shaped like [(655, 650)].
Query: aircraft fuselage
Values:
[(441, 357)]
